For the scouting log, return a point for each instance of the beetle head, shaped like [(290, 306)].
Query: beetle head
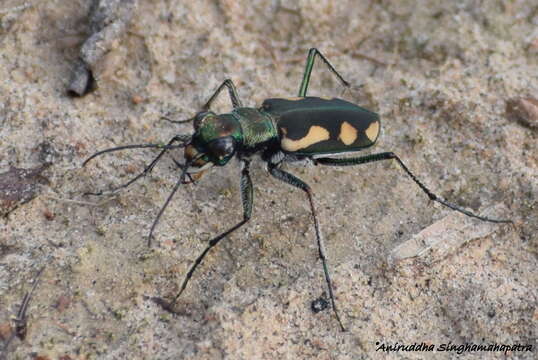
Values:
[(215, 141)]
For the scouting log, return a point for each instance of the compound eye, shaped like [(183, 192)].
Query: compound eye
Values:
[(221, 148)]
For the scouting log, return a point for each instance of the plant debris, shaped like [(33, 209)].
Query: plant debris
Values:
[(18, 186)]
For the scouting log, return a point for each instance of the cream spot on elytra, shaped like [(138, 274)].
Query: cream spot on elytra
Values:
[(373, 131), (348, 134), (315, 134)]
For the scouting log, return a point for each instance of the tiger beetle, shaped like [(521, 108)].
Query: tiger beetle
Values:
[(282, 130)]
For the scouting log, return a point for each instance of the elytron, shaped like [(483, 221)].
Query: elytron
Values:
[(281, 130)]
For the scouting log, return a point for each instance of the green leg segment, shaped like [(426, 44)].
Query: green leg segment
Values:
[(294, 181), (389, 156), (308, 71)]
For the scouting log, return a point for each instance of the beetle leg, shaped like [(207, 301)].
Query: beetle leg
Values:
[(247, 201), (148, 169), (298, 183), (180, 181), (308, 71), (180, 165), (232, 91), (391, 155), (234, 98)]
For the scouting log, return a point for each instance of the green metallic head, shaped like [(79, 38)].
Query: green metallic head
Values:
[(215, 141)]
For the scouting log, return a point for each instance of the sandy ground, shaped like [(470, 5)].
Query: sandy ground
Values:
[(405, 270)]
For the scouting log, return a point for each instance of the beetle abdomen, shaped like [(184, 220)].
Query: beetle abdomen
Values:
[(313, 125)]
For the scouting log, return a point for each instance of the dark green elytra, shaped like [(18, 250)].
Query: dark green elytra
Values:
[(313, 125)]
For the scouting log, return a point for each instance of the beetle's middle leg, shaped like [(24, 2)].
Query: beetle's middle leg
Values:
[(298, 183), (247, 201)]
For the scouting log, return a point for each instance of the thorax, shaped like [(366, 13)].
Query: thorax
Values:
[(258, 128)]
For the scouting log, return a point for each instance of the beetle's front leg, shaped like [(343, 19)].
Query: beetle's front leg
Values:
[(183, 139), (232, 91), (234, 98)]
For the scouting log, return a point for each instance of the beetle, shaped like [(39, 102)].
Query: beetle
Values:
[(281, 130)]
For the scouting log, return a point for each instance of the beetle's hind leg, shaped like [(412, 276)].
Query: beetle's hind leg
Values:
[(308, 71), (298, 183), (391, 155)]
